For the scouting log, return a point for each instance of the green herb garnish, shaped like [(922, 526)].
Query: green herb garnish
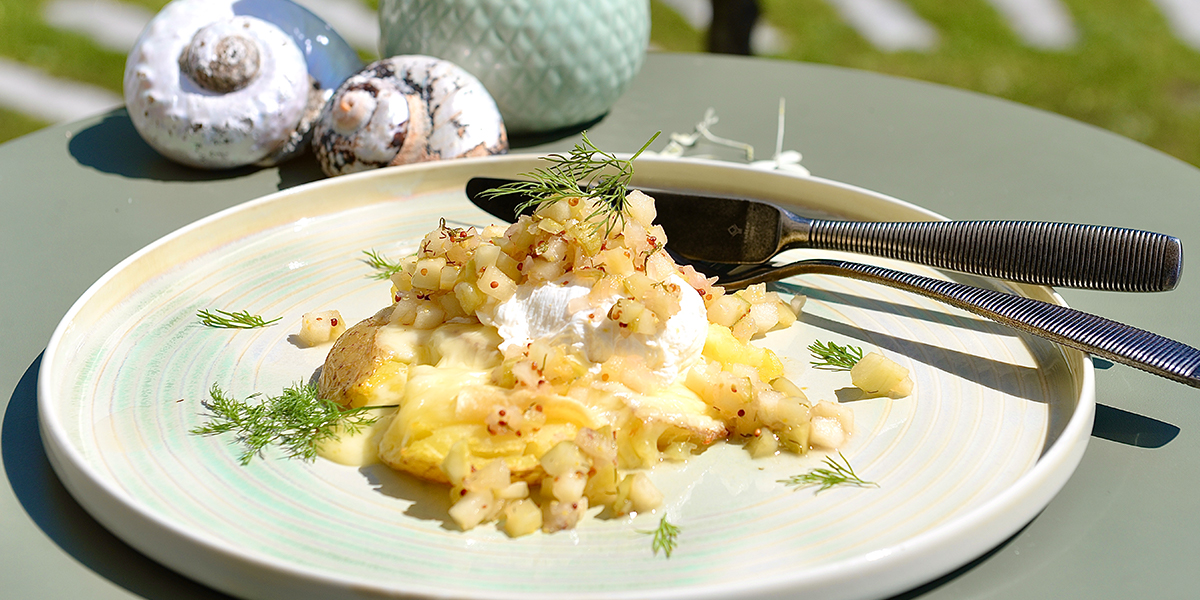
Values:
[(836, 474), (586, 171), (232, 320), (833, 357), (298, 420), (384, 267), (664, 537)]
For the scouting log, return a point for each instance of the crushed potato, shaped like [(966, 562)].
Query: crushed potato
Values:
[(535, 436)]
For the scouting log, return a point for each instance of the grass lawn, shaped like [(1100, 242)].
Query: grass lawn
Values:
[(1128, 74)]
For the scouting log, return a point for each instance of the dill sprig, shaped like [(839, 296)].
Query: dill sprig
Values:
[(585, 171), (833, 357), (383, 266), (837, 473), (232, 320), (664, 537), (298, 420)]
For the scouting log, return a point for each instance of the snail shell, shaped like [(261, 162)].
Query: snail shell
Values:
[(407, 109), (226, 83)]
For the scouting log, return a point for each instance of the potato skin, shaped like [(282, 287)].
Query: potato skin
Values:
[(353, 359)]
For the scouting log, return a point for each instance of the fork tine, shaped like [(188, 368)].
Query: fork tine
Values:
[(730, 276)]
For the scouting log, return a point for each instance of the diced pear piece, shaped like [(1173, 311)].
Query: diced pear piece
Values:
[(558, 210), (428, 273), (764, 444), (641, 207), (449, 277), (826, 433), (601, 487), (509, 266), (564, 458), (831, 424), (636, 493), (728, 309), (786, 315), (321, 327), (469, 296), (457, 464), (428, 316), (877, 374), (486, 255), (765, 315), (474, 508), (617, 260), (494, 476), (722, 346), (788, 387), (587, 236), (522, 517), (557, 515), (496, 284), (567, 487), (599, 445)]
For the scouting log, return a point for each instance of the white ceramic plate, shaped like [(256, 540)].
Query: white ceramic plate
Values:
[(997, 423)]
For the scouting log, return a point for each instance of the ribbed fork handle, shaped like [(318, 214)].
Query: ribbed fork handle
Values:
[(1054, 254), (1083, 331)]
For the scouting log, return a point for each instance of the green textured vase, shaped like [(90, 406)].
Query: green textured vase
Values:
[(548, 63)]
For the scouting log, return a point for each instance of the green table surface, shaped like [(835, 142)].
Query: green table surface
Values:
[(78, 198)]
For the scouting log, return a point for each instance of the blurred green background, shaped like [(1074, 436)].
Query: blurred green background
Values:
[(1127, 69)]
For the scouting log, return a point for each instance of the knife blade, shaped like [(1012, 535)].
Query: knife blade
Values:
[(739, 231)]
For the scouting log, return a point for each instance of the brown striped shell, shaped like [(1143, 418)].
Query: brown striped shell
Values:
[(407, 109)]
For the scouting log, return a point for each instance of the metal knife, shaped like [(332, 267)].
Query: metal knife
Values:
[(738, 231)]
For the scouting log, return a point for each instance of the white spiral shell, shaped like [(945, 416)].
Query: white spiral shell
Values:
[(407, 109), (226, 83)]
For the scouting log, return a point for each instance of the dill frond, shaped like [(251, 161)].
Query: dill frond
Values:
[(834, 474), (664, 537), (232, 320), (833, 357), (298, 420), (383, 266), (585, 171)]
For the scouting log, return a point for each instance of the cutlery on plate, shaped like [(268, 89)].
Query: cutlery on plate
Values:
[(737, 231), (1074, 328)]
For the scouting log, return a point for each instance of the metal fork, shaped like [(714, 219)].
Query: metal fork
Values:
[(1095, 335)]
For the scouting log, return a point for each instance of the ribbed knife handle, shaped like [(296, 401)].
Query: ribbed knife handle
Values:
[(1083, 331), (1054, 254)]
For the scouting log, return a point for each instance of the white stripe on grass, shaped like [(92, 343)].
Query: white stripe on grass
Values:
[(1184, 18), (111, 25), (1044, 24), (116, 25), (34, 93), (889, 25), (697, 13)]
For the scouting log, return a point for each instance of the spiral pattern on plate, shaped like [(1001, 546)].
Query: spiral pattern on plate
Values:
[(981, 438)]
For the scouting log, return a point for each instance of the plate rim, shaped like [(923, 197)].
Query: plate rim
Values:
[(890, 572)]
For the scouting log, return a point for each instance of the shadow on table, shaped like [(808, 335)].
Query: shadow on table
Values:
[(64, 521), (1131, 429), (529, 140), (114, 146), (921, 590)]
